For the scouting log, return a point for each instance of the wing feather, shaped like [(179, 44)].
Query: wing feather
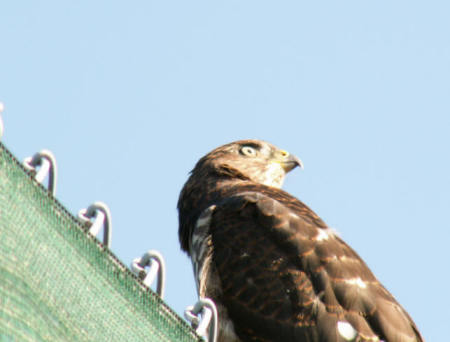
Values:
[(286, 276)]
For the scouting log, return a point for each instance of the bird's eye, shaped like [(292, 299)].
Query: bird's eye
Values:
[(248, 151)]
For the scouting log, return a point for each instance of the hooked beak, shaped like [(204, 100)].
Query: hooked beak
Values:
[(291, 163), (288, 161)]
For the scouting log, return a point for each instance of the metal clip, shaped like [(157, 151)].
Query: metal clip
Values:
[(101, 214), (155, 261), (207, 325), (46, 162)]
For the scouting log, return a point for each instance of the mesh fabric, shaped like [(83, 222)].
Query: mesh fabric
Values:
[(58, 283)]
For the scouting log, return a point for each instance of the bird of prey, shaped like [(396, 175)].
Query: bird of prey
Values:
[(274, 269)]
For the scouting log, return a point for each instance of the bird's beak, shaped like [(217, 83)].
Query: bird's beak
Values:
[(287, 161)]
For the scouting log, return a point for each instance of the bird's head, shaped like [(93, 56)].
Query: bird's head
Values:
[(253, 160)]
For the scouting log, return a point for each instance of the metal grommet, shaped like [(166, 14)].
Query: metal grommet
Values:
[(46, 162), (157, 267), (101, 214)]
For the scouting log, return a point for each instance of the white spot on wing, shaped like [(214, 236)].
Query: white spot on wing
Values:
[(322, 234), (356, 281), (346, 330), (294, 216)]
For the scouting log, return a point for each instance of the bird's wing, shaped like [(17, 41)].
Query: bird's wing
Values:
[(285, 276)]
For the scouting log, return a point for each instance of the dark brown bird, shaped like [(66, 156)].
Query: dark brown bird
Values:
[(274, 269)]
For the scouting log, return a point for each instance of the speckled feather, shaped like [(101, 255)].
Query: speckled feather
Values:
[(275, 269)]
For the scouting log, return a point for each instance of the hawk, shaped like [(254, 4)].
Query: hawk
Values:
[(274, 269)]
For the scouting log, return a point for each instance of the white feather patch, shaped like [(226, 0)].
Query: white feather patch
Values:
[(346, 330), (357, 281), (323, 234)]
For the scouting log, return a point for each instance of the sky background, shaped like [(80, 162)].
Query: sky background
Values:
[(129, 96)]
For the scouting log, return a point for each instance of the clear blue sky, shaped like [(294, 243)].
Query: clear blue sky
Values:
[(129, 95)]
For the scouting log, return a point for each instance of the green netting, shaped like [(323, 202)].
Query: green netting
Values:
[(57, 283)]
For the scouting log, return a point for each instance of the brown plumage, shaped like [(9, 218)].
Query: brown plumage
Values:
[(273, 267)]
